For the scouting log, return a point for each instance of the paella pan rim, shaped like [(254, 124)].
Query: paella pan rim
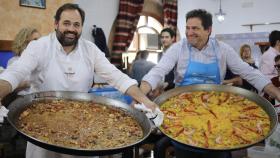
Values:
[(263, 103)]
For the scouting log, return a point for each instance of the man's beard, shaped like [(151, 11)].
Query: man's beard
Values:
[(64, 41)]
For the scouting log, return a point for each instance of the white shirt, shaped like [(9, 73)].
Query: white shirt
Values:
[(38, 54), (26, 90), (53, 70), (267, 63), (178, 55)]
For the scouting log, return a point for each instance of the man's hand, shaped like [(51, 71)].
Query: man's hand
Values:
[(272, 91), (140, 97), (158, 91)]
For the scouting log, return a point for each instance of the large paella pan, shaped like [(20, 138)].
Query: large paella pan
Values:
[(22, 107), (216, 117)]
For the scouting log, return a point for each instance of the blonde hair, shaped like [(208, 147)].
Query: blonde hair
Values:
[(242, 48), (22, 39)]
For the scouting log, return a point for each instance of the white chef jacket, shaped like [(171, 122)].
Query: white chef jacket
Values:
[(27, 78), (36, 57), (178, 55), (53, 69)]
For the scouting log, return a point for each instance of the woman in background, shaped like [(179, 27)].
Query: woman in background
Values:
[(236, 80), (23, 37), (246, 55)]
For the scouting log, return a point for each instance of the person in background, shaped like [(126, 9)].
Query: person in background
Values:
[(141, 66), (63, 61), (236, 80), (203, 60), (275, 80), (266, 65), (167, 38), (246, 55), (232, 79), (23, 37)]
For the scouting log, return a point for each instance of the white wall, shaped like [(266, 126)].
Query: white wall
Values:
[(257, 11), (103, 12)]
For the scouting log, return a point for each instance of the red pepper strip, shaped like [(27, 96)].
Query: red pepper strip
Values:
[(237, 100), (249, 108), (238, 120), (212, 112), (187, 110), (254, 115), (240, 137), (169, 112), (179, 132), (172, 126), (250, 129), (209, 126), (265, 125), (206, 139), (227, 97), (186, 96), (246, 117)]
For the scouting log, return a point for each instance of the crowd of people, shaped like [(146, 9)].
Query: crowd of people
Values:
[(64, 61)]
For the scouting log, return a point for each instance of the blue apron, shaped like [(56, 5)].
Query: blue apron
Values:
[(199, 73)]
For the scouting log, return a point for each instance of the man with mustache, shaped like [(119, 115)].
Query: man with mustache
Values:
[(200, 59), (62, 61)]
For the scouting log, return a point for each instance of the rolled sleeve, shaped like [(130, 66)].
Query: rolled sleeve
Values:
[(260, 84), (128, 83), (153, 81), (17, 71), (10, 78), (165, 65), (109, 72)]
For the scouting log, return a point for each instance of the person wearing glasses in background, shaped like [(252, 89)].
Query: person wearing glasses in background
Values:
[(267, 59), (275, 80)]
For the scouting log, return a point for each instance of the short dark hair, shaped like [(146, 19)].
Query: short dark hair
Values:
[(274, 36), (277, 58), (169, 30), (203, 15), (144, 54), (69, 6)]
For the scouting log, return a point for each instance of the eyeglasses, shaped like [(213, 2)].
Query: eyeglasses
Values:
[(277, 66)]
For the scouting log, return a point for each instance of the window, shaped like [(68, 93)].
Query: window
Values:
[(146, 37)]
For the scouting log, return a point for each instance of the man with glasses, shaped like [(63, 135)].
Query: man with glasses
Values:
[(266, 62), (275, 80)]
